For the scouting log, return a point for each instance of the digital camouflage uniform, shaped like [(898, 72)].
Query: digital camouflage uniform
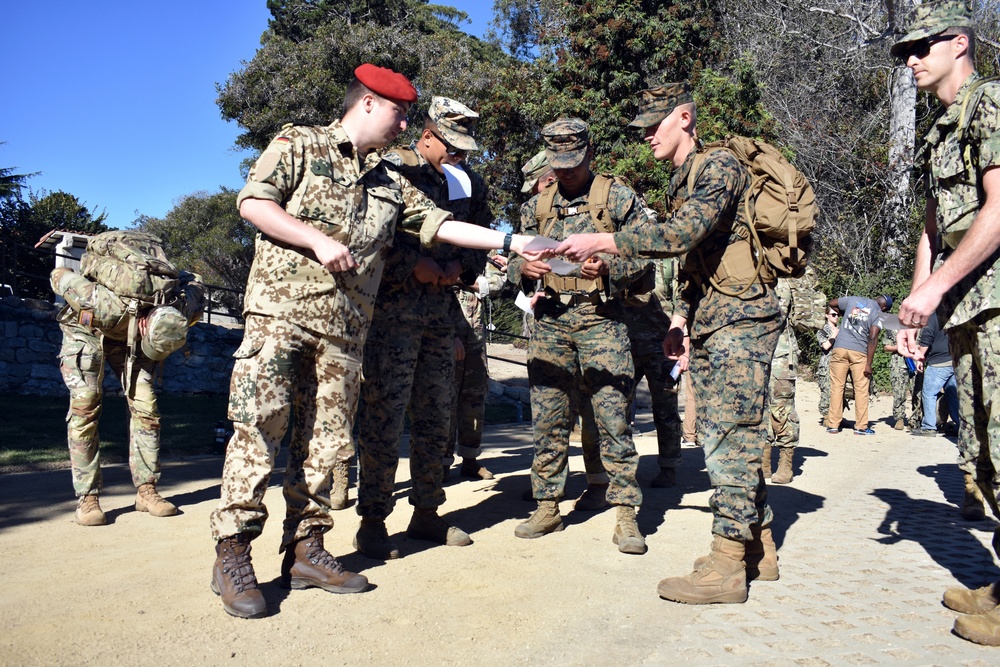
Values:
[(471, 373), (732, 338), (409, 361), (583, 337), (823, 368), (970, 311), (306, 326), (802, 305)]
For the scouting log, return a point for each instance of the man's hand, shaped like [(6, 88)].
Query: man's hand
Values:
[(675, 345), (918, 307), (868, 371), (906, 344), (427, 271), (334, 255), (578, 247), (593, 268), (535, 298), (535, 269), (500, 262), (452, 273)]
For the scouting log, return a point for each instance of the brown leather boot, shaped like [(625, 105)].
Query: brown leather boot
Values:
[(307, 563), (233, 578), (338, 493), (593, 499), (473, 469), (972, 504), (373, 540), (627, 535), (148, 500), (721, 578), (425, 524), (784, 474), (89, 512), (973, 601), (765, 463), (544, 520), (980, 628)]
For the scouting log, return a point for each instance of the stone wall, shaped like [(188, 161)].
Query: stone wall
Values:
[(29, 354)]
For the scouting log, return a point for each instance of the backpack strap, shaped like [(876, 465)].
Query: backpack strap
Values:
[(968, 110), (545, 212)]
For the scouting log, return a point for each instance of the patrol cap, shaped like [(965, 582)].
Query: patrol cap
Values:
[(655, 104), (566, 142), (931, 18), (533, 170), (386, 82), (455, 121), (166, 332)]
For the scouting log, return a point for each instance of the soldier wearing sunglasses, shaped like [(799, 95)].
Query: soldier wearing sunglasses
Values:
[(958, 256)]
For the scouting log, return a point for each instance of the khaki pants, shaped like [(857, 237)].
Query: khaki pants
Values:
[(843, 361)]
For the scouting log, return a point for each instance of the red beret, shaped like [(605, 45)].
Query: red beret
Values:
[(386, 83)]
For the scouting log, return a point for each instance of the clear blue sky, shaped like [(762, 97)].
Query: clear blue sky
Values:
[(113, 101)]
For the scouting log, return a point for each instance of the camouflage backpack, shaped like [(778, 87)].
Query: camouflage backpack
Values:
[(779, 205), (132, 265)]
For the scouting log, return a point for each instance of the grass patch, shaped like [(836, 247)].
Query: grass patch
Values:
[(34, 428)]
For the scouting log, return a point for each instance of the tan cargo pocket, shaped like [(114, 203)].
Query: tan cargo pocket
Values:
[(243, 385)]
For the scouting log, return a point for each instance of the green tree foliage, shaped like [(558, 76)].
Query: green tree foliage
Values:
[(204, 233), (11, 182)]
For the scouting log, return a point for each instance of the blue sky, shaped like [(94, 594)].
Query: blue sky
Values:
[(114, 101)]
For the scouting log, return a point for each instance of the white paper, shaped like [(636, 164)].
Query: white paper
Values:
[(890, 322), (459, 184), (541, 243), (561, 267), (523, 301)]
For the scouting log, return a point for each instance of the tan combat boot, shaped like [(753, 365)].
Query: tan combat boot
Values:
[(593, 499), (972, 504), (973, 601), (373, 540), (544, 520), (233, 578), (761, 557), (148, 500), (473, 469), (338, 493), (980, 628), (307, 563), (765, 463), (721, 578), (627, 535), (89, 512), (425, 524), (784, 474)]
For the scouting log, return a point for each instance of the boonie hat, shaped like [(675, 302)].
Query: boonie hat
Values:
[(386, 82), (166, 332), (533, 170), (931, 18), (566, 142), (455, 121), (655, 104)]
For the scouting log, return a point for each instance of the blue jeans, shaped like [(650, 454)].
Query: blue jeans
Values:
[(937, 378)]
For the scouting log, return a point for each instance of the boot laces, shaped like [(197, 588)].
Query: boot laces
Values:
[(237, 565), (317, 554)]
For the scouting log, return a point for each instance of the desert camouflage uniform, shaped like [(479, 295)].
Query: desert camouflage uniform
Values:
[(584, 337), (648, 319), (409, 362), (306, 325), (970, 311), (732, 338), (472, 373), (802, 305)]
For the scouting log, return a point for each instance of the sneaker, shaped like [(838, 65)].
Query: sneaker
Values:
[(924, 432), (833, 430), (688, 444), (867, 431)]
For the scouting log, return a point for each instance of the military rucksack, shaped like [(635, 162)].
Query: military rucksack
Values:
[(131, 264), (779, 206)]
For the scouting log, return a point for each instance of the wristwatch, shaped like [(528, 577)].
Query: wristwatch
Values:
[(506, 242)]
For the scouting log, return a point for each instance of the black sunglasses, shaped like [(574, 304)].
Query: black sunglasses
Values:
[(448, 148), (922, 47)]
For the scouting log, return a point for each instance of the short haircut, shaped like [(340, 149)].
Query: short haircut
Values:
[(969, 33), (693, 109), (355, 91)]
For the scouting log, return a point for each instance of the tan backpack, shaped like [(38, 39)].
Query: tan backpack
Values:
[(779, 205)]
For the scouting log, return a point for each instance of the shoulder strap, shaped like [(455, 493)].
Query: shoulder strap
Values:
[(969, 106), (597, 202), (544, 211)]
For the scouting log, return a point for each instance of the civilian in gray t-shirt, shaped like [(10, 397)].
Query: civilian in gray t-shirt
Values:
[(853, 352)]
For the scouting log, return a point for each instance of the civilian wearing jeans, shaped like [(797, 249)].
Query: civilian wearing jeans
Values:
[(938, 373)]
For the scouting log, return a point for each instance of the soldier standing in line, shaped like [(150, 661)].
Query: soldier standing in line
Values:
[(326, 206), (409, 361), (826, 337), (580, 331), (958, 256), (803, 306), (902, 381), (732, 340)]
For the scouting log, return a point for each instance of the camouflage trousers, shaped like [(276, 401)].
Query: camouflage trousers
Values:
[(570, 343), (823, 379), (590, 438), (975, 353), (286, 373), (902, 384), (81, 362), (663, 396), (730, 370), (409, 369), (469, 407), (784, 420)]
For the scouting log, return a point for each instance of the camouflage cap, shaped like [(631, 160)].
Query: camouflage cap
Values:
[(566, 142), (533, 169), (166, 332), (455, 121), (931, 18), (655, 104)]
